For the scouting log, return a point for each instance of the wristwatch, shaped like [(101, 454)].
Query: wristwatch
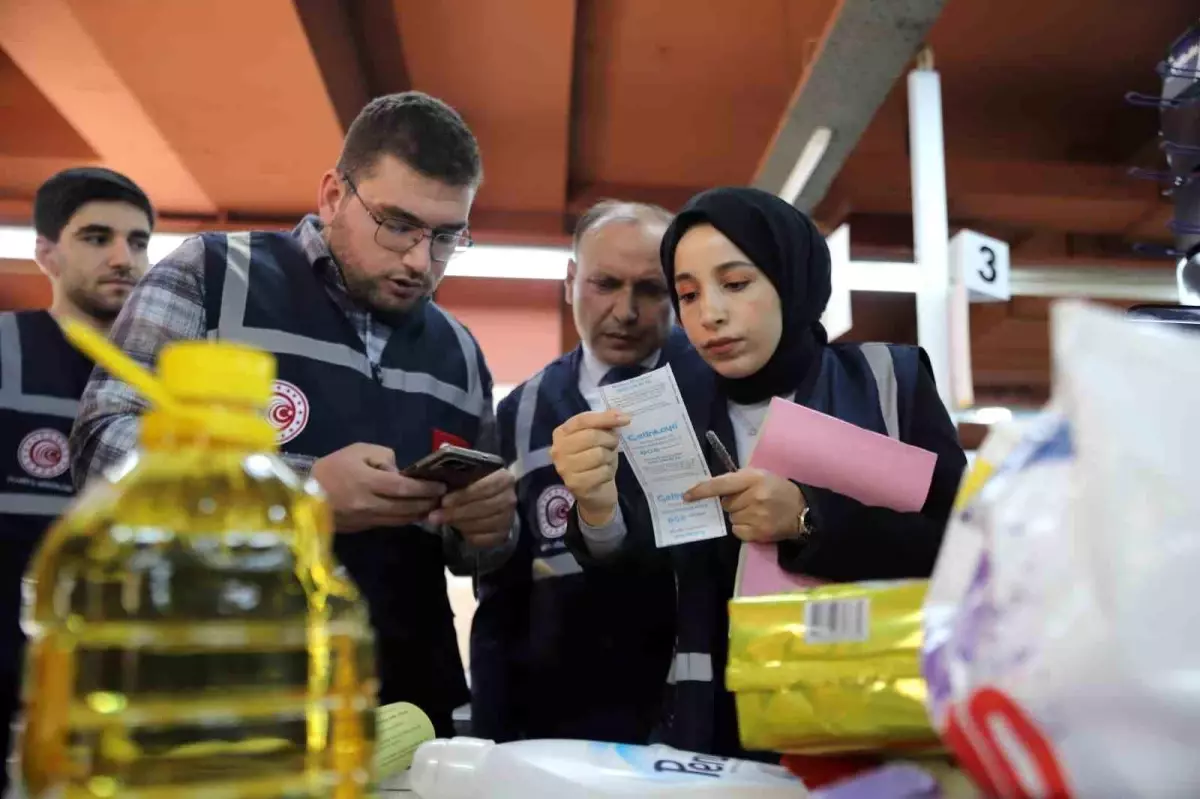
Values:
[(804, 520)]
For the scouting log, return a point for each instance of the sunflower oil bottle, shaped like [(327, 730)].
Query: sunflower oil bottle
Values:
[(189, 632)]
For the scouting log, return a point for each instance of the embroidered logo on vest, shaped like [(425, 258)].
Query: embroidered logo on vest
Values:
[(288, 410), (553, 508), (43, 453)]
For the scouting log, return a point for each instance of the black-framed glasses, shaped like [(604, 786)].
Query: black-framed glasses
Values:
[(401, 235)]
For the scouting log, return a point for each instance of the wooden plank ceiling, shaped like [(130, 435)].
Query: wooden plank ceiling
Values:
[(227, 111)]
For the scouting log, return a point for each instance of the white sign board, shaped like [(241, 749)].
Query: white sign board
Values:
[(837, 320), (981, 263)]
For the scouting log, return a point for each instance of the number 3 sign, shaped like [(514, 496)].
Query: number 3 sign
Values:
[(981, 262)]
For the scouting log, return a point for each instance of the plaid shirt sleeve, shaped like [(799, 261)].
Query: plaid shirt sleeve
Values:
[(166, 305)]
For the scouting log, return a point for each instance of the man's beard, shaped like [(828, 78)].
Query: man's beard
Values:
[(371, 291), (103, 311)]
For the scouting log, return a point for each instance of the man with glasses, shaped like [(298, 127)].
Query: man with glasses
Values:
[(372, 374)]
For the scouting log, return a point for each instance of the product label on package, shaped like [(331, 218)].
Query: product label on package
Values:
[(673, 765)]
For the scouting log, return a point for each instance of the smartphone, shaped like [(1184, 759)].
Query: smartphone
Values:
[(454, 467)]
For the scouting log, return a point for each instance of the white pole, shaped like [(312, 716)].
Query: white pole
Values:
[(931, 230)]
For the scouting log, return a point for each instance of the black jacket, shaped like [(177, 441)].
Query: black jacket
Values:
[(852, 542)]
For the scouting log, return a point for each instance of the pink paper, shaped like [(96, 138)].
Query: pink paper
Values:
[(761, 574), (821, 451)]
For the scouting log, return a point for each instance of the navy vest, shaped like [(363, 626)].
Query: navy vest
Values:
[(870, 386), (430, 385), (41, 379), (557, 651)]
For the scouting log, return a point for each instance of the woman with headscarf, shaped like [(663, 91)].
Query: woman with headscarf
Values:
[(750, 277)]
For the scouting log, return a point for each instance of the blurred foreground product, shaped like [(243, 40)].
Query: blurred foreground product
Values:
[(1061, 640), (190, 634), (893, 781), (832, 669), (472, 768), (821, 770), (400, 729)]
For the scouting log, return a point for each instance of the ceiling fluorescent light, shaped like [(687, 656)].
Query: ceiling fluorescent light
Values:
[(17, 243), (163, 244), (806, 164), (890, 276), (502, 261), (538, 263), (528, 263), (990, 415)]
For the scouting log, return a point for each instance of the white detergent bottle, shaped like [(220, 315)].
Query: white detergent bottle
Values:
[(470, 768)]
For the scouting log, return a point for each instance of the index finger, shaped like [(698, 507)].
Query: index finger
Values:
[(594, 420), (724, 485), (393, 485)]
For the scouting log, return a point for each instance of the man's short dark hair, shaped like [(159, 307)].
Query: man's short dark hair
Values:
[(422, 131), (61, 196), (606, 211)]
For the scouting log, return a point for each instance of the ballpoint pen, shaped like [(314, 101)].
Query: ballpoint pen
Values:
[(722, 453)]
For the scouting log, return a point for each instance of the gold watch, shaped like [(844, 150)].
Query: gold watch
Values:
[(803, 530)]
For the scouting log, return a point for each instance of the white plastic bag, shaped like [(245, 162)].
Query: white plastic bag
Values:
[(1062, 647)]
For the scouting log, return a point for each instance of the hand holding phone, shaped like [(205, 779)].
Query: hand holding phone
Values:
[(483, 511), (454, 467), (365, 489), (482, 496)]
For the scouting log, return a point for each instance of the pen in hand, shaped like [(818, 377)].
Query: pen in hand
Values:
[(722, 453)]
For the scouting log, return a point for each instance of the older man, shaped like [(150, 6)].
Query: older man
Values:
[(556, 652)]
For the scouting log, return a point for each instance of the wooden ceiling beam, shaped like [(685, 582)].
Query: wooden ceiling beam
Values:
[(145, 89), (506, 67), (888, 237), (1051, 195), (336, 42), (670, 197), (864, 48), (93, 96)]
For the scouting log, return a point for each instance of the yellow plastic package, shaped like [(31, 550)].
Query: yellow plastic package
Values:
[(833, 669)]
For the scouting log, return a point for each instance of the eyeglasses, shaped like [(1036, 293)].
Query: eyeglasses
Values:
[(400, 235)]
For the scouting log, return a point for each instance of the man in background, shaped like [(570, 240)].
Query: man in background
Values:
[(556, 652), (372, 374), (93, 228)]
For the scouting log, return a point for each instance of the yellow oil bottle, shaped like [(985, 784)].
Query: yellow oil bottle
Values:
[(190, 634)]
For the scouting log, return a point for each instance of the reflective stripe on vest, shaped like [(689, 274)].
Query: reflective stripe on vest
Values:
[(232, 327), (528, 459), (32, 504), (12, 394), (879, 359), (690, 667), (470, 354), (559, 565)]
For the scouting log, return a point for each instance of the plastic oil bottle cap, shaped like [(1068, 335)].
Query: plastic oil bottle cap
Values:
[(449, 769), (217, 372)]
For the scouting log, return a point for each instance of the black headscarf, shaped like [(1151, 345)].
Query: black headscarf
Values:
[(786, 245)]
